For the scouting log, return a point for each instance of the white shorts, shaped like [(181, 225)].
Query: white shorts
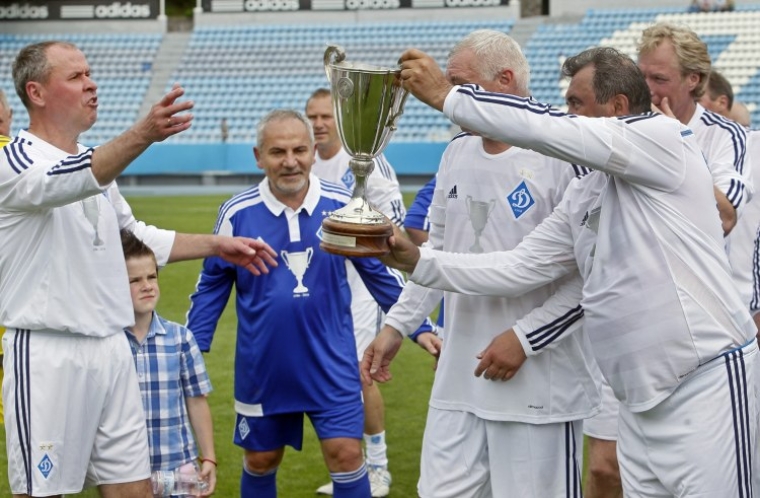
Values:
[(464, 456), (73, 413), (604, 425), (700, 440), (367, 315)]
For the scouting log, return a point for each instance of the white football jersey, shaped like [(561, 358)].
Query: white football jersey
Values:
[(724, 145), (62, 265), (744, 239), (384, 194), (483, 203), (658, 295)]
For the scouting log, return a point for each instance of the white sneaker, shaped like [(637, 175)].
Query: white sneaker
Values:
[(327, 489), (379, 481)]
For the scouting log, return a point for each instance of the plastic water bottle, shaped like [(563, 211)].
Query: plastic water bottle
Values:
[(185, 480)]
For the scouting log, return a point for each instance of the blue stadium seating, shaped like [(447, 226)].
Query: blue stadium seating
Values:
[(241, 72), (121, 64)]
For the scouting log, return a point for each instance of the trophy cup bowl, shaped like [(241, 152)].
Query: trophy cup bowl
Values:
[(367, 102)]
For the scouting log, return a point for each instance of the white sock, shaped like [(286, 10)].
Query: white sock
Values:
[(377, 455)]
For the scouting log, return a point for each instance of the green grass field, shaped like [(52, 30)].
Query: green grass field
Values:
[(302, 472)]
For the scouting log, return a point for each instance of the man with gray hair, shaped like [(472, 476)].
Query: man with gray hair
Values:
[(295, 353), (484, 436), (666, 323)]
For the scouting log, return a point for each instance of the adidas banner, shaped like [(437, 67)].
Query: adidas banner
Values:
[(78, 10), (286, 5)]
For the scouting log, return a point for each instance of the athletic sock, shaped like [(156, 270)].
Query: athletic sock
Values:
[(258, 485), (377, 451), (351, 484)]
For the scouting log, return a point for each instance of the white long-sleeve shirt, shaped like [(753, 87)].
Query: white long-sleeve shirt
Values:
[(744, 240), (61, 263), (483, 203), (658, 296), (724, 144)]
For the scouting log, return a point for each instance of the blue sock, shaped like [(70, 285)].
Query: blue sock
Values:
[(258, 485), (351, 484)]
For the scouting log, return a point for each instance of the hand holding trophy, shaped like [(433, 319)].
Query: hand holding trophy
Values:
[(367, 102)]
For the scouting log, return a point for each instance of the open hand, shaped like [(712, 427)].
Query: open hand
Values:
[(255, 255), (377, 358)]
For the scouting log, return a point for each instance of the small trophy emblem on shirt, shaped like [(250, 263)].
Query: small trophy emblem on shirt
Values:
[(298, 263), (92, 213), (478, 211)]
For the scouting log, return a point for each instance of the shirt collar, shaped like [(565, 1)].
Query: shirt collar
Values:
[(45, 147), (277, 208), (156, 328), (698, 111)]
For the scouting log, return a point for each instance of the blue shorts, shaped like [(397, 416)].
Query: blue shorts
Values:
[(272, 432)]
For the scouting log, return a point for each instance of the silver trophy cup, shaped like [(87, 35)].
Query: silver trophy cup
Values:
[(367, 102)]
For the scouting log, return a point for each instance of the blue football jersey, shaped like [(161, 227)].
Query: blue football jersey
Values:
[(295, 344)]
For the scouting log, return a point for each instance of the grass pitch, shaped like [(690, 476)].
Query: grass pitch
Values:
[(301, 472)]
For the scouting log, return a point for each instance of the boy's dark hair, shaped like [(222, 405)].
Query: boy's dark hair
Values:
[(134, 247)]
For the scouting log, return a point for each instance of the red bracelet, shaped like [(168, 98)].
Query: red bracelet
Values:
[(203, 460)]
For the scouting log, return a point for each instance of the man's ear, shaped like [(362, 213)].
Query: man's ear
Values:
[(722, 102), (35, 93), (506, 78), (257, 154), (693, 80), (620, 105)]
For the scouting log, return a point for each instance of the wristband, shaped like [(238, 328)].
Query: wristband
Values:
[(204, 460)]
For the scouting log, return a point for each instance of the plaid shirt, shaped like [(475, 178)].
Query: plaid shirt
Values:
[(170, 368)]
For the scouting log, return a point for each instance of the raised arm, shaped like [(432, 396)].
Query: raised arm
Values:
[(163, 121)]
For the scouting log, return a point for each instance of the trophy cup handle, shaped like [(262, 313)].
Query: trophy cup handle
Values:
[(492, 204), (309, 254), (394, 117), (467, 202), (284, 256), (333, 55)]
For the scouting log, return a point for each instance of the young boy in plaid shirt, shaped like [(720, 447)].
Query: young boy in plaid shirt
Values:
[(171, 372)]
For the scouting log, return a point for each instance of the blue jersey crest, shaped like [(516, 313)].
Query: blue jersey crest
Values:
[(520, 200)]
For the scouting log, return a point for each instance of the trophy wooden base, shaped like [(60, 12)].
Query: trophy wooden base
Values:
[(355, 239)]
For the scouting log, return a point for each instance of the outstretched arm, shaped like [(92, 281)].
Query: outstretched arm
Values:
[(255, 255)]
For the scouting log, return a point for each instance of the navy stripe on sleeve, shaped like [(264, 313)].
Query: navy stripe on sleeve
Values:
[(16, 155), (737, 133), (543, 336), (73, 163)]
